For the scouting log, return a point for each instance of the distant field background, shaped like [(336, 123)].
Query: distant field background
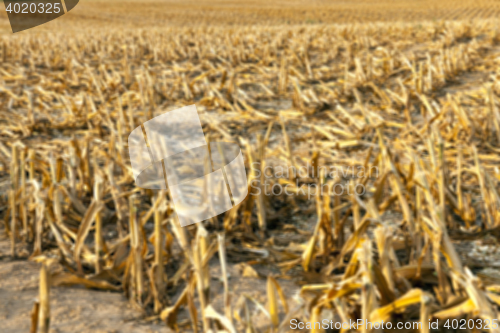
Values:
[(151, 13)]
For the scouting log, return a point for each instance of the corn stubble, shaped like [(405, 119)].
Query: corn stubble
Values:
[(389, 98)]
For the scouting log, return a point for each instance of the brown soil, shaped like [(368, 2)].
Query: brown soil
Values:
[(73, 309)]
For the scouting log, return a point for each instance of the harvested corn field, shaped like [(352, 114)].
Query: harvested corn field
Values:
[(371, 151)]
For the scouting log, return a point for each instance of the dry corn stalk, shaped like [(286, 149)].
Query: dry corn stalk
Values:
[(44, 312)]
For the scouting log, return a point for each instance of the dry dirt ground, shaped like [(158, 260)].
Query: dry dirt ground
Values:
[(73, 309), (77, 309)]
